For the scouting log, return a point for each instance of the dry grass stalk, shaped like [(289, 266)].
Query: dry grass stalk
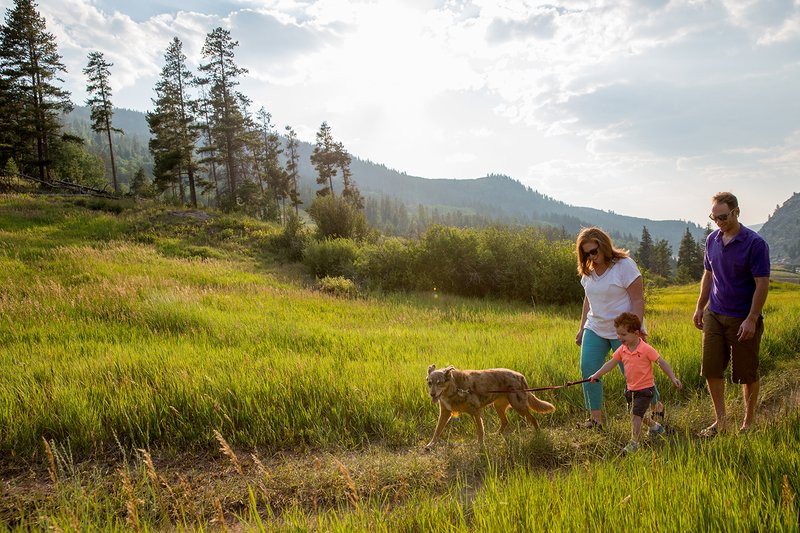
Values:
[(52, 460), (787, 497), (151, 469), (352, 491), (228, 452), (220, 515), (130, 502), (259, 465)]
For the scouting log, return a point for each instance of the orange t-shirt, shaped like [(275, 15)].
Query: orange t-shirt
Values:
[(638, 365)]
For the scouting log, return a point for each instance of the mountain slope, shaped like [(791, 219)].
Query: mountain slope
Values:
[(782, 232), (494, 196)]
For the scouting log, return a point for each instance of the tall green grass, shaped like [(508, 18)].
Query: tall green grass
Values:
[(118, 335)]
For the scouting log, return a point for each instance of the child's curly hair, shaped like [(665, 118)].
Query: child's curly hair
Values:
[(630, 321)]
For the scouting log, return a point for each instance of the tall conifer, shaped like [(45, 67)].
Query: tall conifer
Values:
[(31, 101), (99, 101), (173, 123), (227, 121), (293, 168)]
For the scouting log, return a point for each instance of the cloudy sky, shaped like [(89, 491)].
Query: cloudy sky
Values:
[(643, 107)]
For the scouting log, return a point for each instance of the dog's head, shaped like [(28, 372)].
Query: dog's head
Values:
[(438, 381)]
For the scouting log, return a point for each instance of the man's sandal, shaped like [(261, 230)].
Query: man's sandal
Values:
[(709, 433)]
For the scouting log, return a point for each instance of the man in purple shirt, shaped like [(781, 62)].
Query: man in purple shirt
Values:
[(734, 286)]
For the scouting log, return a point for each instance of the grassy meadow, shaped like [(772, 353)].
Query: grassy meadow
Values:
[(161, 369)]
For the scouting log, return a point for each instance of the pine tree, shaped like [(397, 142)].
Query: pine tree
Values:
[(644, 255), (173, 123), (269, 149), (227, 120), (292, 168), (690, 259), (324, 159), (662, 259), (207, 152), (99, 101), (31, 103), (350, 191)]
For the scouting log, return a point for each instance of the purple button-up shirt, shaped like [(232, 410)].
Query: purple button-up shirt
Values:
[(734, 267)]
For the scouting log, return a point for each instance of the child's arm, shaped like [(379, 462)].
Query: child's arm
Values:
[(608, 367), (668, 371)]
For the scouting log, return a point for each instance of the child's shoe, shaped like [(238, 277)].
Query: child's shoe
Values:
[(656, 430), (631, 447)]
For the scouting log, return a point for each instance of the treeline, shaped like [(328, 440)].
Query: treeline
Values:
[(208, 147), (655, 259), (392, 216), (515, 263)]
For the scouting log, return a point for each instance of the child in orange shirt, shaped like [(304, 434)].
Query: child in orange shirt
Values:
[(637, 358)]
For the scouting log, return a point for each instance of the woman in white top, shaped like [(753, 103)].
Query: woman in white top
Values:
[(612, 285)]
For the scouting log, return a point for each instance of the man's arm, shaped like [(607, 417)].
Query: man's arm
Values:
[(702, 300), (748, 327)]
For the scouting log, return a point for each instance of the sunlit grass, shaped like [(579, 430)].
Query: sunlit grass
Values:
[(111, 344)]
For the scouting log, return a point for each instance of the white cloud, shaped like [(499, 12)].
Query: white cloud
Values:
[(591, 102)]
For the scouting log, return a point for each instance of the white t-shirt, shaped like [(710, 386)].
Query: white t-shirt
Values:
[(608, 296)]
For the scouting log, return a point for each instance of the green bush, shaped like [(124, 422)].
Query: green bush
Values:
[(391, 265), (451, 258), (336, 218), (291, 242), (338, 286), (331, 257), (499, 261)]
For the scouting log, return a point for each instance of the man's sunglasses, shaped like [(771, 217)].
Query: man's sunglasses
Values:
[(720, 218), (593, 251)]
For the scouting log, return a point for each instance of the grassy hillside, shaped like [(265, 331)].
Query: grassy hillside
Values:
[(158, 369)]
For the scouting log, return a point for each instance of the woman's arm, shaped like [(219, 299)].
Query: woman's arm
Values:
[(584, 312), (636, 294)]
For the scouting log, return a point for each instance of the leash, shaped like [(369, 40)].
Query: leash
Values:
[(554, 387)]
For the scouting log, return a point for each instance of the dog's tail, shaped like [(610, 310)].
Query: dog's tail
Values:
[(540, 406)]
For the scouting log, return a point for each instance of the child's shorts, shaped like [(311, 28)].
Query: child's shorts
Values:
[(641, 399)]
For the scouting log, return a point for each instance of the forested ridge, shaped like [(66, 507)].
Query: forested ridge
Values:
[(206, 146)]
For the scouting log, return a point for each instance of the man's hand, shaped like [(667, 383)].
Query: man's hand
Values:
[(747, 329), (698, 318), (677, 383), (579, 338)]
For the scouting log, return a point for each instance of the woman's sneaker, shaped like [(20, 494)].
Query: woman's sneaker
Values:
[(589, 423), (631, 447), (656, 430)]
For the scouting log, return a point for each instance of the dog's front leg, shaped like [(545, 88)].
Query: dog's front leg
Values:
[(478, 416), (444, 417)]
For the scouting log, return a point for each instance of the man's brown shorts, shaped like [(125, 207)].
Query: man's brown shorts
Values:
[(720, 346)]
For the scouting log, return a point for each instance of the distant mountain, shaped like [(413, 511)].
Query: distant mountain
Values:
[(130, 121), (503, 198), (782, 232), (495, 196)]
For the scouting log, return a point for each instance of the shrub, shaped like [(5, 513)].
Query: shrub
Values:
[(450, 257), (336, 218), (331, 257), (291, 242), (391, 265), (338, 286)]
